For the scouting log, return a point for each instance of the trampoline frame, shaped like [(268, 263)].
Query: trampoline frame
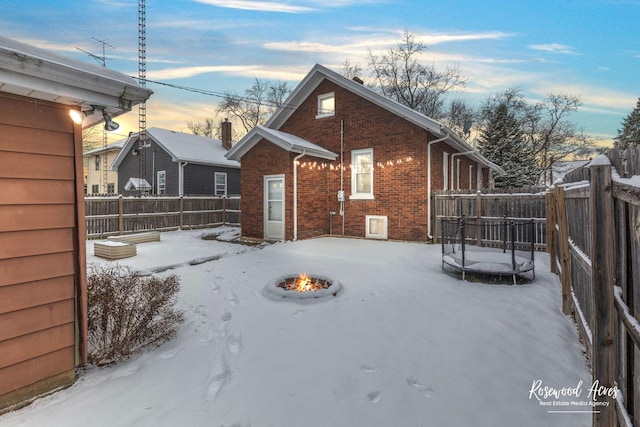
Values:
[(507, 229)]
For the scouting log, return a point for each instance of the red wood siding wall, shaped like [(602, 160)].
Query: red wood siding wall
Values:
[(40, 266), (400, 170)]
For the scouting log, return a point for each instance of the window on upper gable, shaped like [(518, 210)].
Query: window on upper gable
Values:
[(326, 105), (362, 174)]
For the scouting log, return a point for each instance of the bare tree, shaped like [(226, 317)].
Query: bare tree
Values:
[(208, 128), (259, 102), (544, 127), (400, 75), (350, 71), (459, 117), (92, 138), (552, 135)]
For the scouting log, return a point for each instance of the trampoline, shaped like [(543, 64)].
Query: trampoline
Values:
[(493, 246)]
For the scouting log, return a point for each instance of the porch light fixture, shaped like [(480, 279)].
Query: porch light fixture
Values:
[(77, 116), (109, 124)]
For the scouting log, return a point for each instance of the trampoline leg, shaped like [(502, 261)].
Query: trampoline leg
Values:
[(463, 273), (514, 279)]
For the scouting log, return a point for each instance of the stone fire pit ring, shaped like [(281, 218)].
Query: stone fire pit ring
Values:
[(273, 291)]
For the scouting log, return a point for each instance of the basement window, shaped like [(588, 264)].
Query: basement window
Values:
[(326, 105), (376, 227)]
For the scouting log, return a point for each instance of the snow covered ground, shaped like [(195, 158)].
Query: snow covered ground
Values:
[(404, 344)]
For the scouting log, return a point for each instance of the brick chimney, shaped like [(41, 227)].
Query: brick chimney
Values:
[(226, 134)]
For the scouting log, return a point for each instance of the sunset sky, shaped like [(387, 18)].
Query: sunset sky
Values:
[(588, 48)]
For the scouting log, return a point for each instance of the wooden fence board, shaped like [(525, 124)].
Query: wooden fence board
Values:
[(603, 217), (114, 215)]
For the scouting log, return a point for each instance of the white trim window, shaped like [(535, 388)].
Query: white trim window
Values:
[(376, 227), (162, 182), (220, 183), (458, 163), (362, 174), (326, 105), (445, 171)]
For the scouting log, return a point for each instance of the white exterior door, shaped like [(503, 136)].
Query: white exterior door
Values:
[(274, 207)]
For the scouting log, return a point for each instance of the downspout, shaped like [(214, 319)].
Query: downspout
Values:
[(295, 194), (452, 168), (181, 166), (429, 144)]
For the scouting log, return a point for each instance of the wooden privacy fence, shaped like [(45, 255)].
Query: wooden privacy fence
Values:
[(450, 205), (114, 215), (594, 246)]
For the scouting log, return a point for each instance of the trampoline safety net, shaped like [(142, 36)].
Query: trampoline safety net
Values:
[(503, 246)]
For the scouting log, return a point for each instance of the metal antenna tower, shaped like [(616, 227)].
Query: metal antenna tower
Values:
[(142, 78), (102, 60)]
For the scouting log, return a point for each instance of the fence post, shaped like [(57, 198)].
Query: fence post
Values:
[(565, 258), (224, 209), (181, 212), (602, 234), (479, 215), (550, 208), (120, 214)]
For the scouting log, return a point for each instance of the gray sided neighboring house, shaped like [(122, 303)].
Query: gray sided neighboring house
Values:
[(175, 163)]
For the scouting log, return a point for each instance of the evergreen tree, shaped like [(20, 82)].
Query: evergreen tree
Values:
[(629, 135), (503, 140)]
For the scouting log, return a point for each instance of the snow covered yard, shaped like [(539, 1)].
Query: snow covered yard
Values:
[(404, 344)]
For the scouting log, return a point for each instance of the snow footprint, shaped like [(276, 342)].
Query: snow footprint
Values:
[(232, 299), (368, 369), (422, 389), (234, 344), (170, 353), (217, 383), (374, 397)]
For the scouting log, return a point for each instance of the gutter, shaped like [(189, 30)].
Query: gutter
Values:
[(295, 194), (452, 167), (181, 166), (445, 137)]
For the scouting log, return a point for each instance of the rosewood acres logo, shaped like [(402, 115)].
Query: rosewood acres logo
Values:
[(572, 399)]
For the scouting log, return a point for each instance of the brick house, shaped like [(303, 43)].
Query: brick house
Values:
[(340, 159), (177, 163), (43, 289)]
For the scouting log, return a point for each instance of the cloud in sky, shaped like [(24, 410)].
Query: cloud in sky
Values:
[(262, 6), (555, 48)]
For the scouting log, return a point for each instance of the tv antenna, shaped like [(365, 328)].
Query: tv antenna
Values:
[(102, 59)]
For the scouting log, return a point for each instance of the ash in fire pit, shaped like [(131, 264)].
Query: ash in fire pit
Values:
[(303, 287)]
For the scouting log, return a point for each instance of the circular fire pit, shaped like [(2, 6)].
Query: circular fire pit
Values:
[(302, 287)]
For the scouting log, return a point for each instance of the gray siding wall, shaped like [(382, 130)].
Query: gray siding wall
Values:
[(156, 159), (199, 179)]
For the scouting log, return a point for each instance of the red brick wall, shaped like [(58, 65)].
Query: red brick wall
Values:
[(263, 159), (400, 171)]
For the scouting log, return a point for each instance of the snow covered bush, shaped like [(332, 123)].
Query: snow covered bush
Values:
[(129, 311)]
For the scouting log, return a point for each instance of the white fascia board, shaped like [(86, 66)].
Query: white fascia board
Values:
[(35, 73)]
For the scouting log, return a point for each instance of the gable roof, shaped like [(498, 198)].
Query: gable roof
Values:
[(110, 147), (137, 184), (37, 73), (283, 140), (182, 147), (320, 73)]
